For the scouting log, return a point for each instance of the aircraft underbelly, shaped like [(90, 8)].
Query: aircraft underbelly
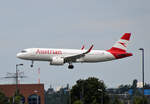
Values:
[(98, 58), (42, 57)]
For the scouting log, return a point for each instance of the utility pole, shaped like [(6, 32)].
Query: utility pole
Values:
[(142, 49), (17, 76)]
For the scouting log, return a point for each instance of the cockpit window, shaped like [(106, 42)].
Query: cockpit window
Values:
[(23, 51)]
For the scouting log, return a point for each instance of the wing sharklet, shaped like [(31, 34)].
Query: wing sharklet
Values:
[(82, 47), (89, 49)]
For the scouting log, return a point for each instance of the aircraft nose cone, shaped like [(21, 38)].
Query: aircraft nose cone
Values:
[(19, 55)]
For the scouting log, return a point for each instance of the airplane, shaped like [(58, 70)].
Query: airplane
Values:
[(70, 56)]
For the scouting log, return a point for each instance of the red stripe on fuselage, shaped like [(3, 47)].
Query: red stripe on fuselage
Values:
[(121, 55), (114, 49)]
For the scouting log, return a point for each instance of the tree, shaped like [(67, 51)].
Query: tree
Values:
[(117, 101), (123, 88), (136, 91), (18, 99), (3, 99), (78, 102), (134, 85), (94, 101), (147, 86), (139, 100), (89, 91)]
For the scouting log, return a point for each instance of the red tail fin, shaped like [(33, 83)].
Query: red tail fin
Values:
[(121, 45)]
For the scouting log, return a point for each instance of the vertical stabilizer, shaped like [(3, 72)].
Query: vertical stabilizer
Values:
[(121, 44)]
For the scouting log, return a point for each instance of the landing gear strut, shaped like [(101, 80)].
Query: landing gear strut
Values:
[(32, 64), (70, 66)]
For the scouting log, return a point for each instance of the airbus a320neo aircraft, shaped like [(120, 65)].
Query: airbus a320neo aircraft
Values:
[(62, 56)]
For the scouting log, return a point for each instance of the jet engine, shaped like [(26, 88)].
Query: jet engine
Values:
[(57, 61)]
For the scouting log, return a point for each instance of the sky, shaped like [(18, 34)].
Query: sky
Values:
[(71, 24)]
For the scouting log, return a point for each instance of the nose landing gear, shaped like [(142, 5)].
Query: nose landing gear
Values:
[(32, 64)]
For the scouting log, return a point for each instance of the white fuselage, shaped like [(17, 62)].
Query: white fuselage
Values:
[(62, 56), (45, 54)]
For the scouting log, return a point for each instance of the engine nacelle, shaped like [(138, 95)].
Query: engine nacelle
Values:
[(57, 61)]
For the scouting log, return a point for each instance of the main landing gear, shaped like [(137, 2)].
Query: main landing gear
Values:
[(70, 66), (31, 63)]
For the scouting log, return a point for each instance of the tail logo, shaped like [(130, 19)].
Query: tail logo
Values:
[(123, 44)]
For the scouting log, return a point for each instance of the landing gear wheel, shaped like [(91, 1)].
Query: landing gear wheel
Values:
[(31, 64), (70, 67)]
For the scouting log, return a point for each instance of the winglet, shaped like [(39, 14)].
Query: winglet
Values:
[(89, 49), (82, 47)]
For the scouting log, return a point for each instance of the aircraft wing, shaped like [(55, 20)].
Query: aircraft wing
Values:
[(73, 58)]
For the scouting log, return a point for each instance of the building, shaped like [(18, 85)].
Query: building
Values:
[(32, 93), (140, 91), (57, 97)]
